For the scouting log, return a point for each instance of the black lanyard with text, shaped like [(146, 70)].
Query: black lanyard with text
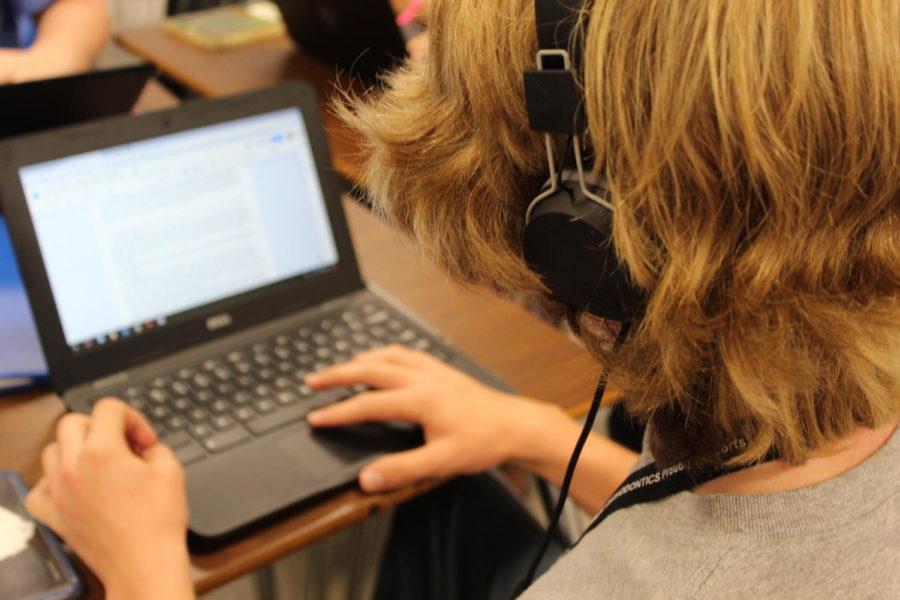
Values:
[(650, 483)]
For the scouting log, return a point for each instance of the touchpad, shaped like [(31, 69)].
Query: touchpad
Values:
[(324, 451)]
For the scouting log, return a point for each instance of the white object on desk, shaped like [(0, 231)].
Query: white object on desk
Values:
[(15, 533)]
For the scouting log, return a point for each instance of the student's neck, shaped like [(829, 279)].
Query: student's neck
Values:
[(780, 476)]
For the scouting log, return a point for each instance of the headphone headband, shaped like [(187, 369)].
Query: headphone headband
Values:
[(568, 225), (552, 95)]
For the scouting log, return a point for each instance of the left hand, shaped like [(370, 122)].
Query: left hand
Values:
[(117, 497)]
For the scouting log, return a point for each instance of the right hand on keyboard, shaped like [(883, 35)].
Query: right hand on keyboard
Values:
[(468, 426)]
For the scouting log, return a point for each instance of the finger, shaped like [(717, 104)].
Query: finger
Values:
[(405, 468), (368, 406), (41, 487), (71, 430), (374, 374), (162, 459), (396, 354), (114, 424), (161, 456), (50, 463), (40, 506)]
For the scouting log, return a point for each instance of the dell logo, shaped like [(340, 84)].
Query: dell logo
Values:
[(219, 321)]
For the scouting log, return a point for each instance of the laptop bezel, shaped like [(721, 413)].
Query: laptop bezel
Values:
[(68, 368), (96, 94)]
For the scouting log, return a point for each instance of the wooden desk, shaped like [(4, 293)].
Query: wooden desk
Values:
[(213, 74)]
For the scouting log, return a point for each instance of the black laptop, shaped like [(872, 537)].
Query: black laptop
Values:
[(196, 263), (46, 103)]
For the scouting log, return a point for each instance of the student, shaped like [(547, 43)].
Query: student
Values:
[(752, 152), (40, 39)]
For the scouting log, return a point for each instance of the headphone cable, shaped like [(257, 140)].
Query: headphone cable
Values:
[(570, 469)]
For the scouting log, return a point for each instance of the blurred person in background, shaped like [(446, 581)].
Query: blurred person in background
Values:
[(40, 39)]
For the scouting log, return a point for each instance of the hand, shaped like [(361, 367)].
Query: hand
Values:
[(17, 64), (116, 496), (468, 426)]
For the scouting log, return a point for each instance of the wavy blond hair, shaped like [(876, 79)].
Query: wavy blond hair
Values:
[(753, 152)]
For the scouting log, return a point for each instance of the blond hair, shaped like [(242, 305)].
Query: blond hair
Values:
[(753, 152)]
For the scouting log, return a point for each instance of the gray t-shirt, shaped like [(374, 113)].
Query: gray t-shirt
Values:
[(836, 539)]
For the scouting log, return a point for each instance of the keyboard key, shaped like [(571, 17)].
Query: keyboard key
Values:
[(226, 439), (224, 389), (264, 406), (201, 431), (244, 414), (201, 381), (377, 317), (203, 396), (175, 423), (219, 407), (180, 388), (241, 399), (223, 422), (197, 415), (284, 398), (159, 413), (278, 419), (138, 402), (176, 439)]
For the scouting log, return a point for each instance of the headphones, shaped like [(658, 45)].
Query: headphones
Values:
[(568, 226)]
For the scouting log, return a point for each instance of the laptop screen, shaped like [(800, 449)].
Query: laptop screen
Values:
[(132, 236)]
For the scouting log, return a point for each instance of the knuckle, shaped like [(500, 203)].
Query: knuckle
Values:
[(108, 404), (68, 474), (66, 421), (96, 453)]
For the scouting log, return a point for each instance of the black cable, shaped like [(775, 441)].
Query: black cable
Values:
[(570, 469)]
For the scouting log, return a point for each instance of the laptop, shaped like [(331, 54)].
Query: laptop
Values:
[(361, 38), (36, 105), (197, 263)]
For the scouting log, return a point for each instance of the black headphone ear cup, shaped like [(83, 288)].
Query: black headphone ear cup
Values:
[(568, 242)]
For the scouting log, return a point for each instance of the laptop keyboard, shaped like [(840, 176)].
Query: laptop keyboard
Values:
[(227, 400)]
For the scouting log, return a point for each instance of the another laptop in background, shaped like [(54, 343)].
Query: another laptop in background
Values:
[(22, 362), (37, 105), (197, 263), (26, 108), (362, 38)]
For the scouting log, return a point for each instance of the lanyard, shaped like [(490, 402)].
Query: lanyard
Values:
[(650, 483)]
